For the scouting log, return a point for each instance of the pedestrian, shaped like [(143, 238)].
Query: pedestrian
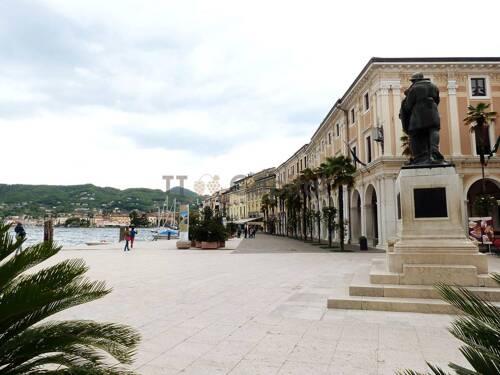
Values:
[(20, 235), (246, 231), (127, 239), (133, 233)]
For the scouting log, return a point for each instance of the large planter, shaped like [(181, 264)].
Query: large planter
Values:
[(193, 243), (222, 243), (198, 244), (210, 245)]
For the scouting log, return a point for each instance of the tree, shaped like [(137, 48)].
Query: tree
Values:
[(478, 327), (292, 205), (303, 186), (478, 118), (315, 189), (342, 171), (138, 220), (329, 214), (264, 206), (31, 345)]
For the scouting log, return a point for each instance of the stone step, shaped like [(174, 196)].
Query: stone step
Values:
[(380, 275), (416, 291), (430, 274), (418, 305), (487, 281)]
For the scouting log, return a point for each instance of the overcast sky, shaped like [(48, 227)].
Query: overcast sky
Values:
[(119, 93)]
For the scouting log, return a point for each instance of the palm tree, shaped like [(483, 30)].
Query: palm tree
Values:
[(31, 345), (292, 204), (478, 118), (325, 172), (265, 203), (342, 175), (307, 178), (315, 189), (478, 327)]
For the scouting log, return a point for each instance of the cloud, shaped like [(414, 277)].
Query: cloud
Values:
[(120, 92)]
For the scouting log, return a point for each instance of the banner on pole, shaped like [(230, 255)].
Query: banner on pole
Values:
[(184, 222)]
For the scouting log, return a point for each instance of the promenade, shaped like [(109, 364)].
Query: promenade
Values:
[(259, 309)]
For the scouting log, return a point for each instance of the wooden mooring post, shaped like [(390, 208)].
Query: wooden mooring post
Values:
[(48, 231), (122, 234)]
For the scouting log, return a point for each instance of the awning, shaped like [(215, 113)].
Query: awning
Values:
[(244, 221)]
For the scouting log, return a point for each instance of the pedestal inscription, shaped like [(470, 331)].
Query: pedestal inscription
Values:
[(430, 202)]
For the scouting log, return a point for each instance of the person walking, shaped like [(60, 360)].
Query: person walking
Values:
[(127, 239), (133, 233), (246, 231), (20, 235)]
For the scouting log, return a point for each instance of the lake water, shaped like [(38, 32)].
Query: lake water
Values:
[(71, 237)]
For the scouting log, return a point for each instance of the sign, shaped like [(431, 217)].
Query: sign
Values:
[(430, 202), (481, 230), (184, 222)]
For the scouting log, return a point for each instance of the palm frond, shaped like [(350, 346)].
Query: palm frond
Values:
[(28, 346)]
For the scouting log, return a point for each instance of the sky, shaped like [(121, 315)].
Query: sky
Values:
[(120, 93)]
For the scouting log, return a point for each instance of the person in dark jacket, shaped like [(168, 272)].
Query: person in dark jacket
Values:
[(420, 119), (133, 233), (20, 234)]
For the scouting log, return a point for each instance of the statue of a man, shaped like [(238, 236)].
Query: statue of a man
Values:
[(420, 118)]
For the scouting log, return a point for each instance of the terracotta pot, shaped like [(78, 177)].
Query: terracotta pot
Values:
[(209, 245), (197, 244)]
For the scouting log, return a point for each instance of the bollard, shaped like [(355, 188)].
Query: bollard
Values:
[(48, 231), (122, 234)]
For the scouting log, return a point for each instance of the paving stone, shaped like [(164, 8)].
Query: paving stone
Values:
[(255, 312)]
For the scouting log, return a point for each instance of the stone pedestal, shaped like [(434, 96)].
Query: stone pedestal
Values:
[(431, 248), (431, 231)]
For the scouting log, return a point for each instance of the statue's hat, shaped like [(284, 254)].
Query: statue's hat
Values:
[(417, 77)]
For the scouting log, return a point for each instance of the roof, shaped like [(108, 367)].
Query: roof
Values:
[(404, 60)]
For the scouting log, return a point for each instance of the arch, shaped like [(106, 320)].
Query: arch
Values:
[(356, 215), (371, 215), (475, 188)]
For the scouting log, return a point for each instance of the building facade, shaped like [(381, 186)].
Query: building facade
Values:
[(245, 196), (365, 121)]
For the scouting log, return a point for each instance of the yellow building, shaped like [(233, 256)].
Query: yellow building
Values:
[(366, 120), (245, 196)]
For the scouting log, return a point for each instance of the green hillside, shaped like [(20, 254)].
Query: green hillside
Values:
[(37, 200)]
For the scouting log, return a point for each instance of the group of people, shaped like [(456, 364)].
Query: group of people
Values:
[(248, 231), (130, 233)]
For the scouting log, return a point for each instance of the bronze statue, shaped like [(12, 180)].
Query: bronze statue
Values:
[(420, 117)]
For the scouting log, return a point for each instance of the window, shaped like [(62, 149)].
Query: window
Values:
[(355, 154), (301, 164), (329, 138), (478, 87), (353, 117), (366, 101), (337, 129), (368, 149), (305, 161)]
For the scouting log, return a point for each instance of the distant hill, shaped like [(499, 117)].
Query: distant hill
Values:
[(36, 200)]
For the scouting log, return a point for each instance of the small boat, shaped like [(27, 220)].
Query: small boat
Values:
[(166, 233), (95, 243)]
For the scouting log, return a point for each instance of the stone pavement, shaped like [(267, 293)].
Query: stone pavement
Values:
[(224, 312)]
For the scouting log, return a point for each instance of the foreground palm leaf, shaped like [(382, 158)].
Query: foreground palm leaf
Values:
[(478, 328), (30, 346)]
